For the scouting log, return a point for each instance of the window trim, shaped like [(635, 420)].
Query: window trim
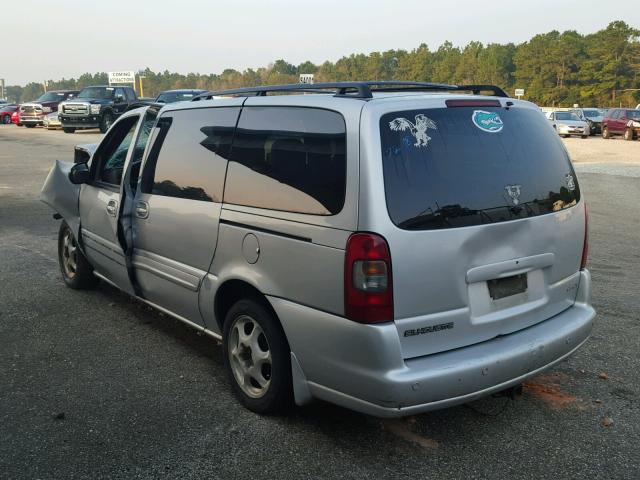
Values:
[(346, 163)]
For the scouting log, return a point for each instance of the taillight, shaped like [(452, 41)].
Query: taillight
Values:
[(368, 289), (585, 245)]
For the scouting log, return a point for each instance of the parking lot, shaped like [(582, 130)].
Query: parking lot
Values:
[(97, 385)]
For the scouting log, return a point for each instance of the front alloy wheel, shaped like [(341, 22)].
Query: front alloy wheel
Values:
[(69, 254), (249, 356), (76, 270), (628, 134)]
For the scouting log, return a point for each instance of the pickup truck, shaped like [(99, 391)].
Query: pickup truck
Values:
[(95, 107), (33, 113)]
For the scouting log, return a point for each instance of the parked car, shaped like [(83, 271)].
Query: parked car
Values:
[(621, 121), (593, 117), (5, 113), (171, 96), (568, 123), (33, 113), (15, 117), (390, 254), (96, 107), (51, 121)]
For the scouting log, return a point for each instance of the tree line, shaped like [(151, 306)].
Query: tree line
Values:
[(555, 69)]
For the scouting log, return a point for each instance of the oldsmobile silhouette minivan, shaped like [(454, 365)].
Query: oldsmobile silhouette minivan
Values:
[(391, 247)]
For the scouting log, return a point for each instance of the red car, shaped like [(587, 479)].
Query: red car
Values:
[(15, 117), (5, 113), (621, 121)]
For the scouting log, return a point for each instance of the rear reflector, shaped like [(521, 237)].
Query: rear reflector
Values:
[(585, 245), (368, 289), (473, 103)]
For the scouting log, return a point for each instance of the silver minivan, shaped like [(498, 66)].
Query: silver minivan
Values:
[(391, 247)]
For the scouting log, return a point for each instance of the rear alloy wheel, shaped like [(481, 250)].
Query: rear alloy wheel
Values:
[(106, 122), (6, 119), (628, 134), (257, 357), (605, 132), (68, 129), (76, 270)]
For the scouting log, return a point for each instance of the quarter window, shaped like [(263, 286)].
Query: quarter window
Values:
[(188, 158), (290, 159)]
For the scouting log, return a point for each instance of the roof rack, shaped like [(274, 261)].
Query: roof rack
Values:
[(361, 90)]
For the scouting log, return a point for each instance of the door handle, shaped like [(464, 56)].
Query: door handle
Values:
[(112, 207), (142, 210)]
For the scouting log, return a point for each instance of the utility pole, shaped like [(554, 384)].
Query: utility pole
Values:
[(3, 93), (141, 75)]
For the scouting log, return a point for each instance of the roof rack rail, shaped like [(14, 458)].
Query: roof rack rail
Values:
[(360, 90)]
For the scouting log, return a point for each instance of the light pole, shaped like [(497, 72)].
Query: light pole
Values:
[(141, 75)]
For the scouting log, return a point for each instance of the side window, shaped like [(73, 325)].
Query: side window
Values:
[(615, 114), (188, 158), (130, 94), (290, 159), (113, 155), (141, 143), (120, 93)]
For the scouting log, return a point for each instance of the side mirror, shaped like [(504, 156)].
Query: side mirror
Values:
[(79, 174), (119, 99)]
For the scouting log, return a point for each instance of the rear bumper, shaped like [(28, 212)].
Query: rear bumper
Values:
[(360, 366)]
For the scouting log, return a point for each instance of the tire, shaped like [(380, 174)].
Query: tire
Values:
[(269, 388), (68, 129), (29, 125), (565, 136), (106, 122), (76, 270), (584, 136), (605, 132), (6, 119), (628, 135)]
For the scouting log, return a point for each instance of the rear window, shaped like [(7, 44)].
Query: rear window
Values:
[(458, 167)]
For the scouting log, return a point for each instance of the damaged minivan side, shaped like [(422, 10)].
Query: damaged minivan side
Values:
[(391, 247)]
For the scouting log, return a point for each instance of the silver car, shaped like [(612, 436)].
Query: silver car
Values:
[(51, 121), (568, 123), (392, 248)]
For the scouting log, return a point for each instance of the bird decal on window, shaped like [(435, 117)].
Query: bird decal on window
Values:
[(418, 130)]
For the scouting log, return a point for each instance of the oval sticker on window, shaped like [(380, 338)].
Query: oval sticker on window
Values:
[(487, 121)]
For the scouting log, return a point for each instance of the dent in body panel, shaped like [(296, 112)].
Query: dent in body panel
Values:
[(61, 195)]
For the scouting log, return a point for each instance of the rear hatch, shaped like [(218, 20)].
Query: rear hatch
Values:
[(488, 230)]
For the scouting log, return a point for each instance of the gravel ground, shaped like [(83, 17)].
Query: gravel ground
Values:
[(95, 385)]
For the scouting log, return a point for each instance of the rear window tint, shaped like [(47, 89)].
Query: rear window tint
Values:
[(289, 159), (457, 167)]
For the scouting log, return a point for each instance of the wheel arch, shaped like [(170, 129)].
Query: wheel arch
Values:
[(234, 289)]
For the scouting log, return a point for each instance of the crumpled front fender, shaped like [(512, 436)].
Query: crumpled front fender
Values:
[(63, 196)]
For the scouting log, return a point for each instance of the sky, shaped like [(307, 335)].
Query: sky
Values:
[(64, 38)]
